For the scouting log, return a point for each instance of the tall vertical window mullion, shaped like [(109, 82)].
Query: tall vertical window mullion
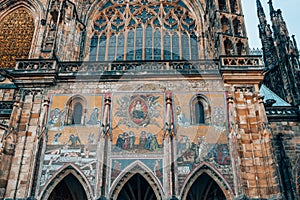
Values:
[(194, 47), (148, 47), (157, 45), (185, 47), (167, 46), (93, 47), (139, 43), (112, 48), (102, 48), (130, 45), (120, 51), (175, 47)]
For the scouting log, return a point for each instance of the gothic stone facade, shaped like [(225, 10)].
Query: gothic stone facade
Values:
[(145, 99)]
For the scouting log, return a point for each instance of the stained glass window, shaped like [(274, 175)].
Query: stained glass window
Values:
[(112, 48), (102, 48), (130, 45), (185, 47), (145, 30), (120, 52), (93, 49), (167, 47), (175, 47), (16, 33)]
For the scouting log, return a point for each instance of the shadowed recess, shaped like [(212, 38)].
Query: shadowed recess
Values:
[(137, 188), (68, 189)]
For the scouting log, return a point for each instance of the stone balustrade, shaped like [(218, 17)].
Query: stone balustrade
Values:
[(122, 67), (241, 62)]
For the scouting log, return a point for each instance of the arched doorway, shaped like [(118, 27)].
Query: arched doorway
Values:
[(68, 188), (137, 188), (205, 188)]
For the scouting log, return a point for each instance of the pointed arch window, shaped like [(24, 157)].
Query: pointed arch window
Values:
[(68, 188), (205, 187), (200, 113), (16, 33), (228, 47), (240, 47), (76, 107), (237, 26), (153, 32)]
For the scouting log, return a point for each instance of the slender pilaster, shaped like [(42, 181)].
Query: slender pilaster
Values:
[(102, 150), (169, 150)]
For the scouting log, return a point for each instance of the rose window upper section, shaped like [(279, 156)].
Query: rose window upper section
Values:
[(16, 33), (144, 30)]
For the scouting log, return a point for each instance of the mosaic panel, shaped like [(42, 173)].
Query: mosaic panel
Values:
[(200, 142), (137, 123), (75, 144), (154, 165)]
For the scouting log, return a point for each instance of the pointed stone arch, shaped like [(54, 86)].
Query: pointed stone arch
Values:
[(93, 52), (36, 10), (60, 175), (70, 109), (135, 168), (202, 100), (205, 169)]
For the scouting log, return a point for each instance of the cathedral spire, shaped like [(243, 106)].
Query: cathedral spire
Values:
[(260, 12), (271, 7), (265, 34), (295, 45)]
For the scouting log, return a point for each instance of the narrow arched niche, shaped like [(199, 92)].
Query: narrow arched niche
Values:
[(76, 110), (68, 188)]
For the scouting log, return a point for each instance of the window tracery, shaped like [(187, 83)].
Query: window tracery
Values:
[(144, 30), (16, 33)]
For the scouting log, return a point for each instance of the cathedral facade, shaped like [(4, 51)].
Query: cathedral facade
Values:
[(146, 99)]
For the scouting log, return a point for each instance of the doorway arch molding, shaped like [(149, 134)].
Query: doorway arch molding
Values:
[(136, 167), (211, 171), (64, 171)]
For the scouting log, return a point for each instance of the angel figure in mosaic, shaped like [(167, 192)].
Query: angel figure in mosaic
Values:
[(56, 119)]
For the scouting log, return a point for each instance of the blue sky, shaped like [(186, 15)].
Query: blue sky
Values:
[(290, 11)]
